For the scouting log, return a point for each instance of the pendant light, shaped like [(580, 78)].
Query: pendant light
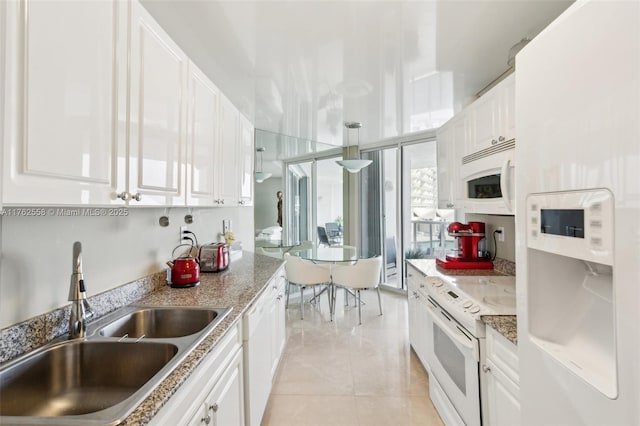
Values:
[(353, 165), (260, 175)]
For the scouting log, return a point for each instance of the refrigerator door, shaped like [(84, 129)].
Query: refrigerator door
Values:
[(577, 109)]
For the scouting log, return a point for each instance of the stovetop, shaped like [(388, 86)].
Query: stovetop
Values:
[(467, 298)]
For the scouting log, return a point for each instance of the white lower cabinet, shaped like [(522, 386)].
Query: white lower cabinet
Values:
[(223, 406), (213, 393), (278, 329), (500, 372), (264, 339), (419, 334)]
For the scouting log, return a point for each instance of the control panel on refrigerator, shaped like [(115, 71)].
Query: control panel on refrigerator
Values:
[(576, 224)]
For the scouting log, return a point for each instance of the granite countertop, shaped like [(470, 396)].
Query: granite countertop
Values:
[(507, 325), (236, 287), (429, 268), (504, 324)]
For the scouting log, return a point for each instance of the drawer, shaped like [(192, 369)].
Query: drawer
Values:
[(503, 354)]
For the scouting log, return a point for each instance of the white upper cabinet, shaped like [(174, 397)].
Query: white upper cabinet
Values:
[(227, 163), (450, 141), (491, 117), (245, 162), (508, 107), (64, 97), (101, 107), (202, 138), (157, 116)]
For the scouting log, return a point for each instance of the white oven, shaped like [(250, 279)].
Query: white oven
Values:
[(488, 178), (457, 337), (453, 356)]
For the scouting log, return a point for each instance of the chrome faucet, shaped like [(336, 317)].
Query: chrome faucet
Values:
[(80, 309)]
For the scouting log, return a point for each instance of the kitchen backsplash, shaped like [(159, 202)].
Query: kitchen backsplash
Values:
[(35, 267), (42, 329), (504, 266), (506, 249)]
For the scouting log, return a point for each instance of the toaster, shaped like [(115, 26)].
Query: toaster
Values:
[(213, 257)]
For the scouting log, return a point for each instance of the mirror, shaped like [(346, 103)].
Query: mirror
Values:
[(277, 149)]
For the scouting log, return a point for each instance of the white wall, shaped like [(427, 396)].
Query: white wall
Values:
[(506, 249), (265, 202), (35, 265)]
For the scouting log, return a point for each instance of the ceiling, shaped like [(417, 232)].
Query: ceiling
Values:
[(302, 68)]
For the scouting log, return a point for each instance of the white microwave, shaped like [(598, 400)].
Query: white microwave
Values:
[(488, 181)]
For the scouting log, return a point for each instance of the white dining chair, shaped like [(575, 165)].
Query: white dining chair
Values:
[(304, 273), (364, 274)]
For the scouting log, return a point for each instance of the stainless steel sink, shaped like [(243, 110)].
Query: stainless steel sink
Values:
[(100, 380), (80, 377), (161, 322)]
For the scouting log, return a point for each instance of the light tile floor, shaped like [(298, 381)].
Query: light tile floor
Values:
[(340, 373)]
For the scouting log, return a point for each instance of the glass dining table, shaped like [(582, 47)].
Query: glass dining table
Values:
[(331, 255), (342, 254)]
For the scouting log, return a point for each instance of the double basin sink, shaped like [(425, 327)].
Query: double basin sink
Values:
[(101, 379)]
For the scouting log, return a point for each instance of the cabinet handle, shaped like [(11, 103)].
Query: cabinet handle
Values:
[(486, 369), (279, 296), (214, 407), (501, 139), (449, 205), (124, 196), (137, 196), (206, 420), (421, 285), (493, 141)]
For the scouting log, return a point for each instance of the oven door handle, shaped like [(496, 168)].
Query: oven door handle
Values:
[(454, 333)]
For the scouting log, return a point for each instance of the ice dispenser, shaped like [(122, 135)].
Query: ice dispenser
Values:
[(571, 304)]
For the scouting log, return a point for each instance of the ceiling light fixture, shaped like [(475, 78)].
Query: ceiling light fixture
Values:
[(260, 175), (353, 165)]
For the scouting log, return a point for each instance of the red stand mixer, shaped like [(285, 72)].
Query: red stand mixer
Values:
[(469, 237)]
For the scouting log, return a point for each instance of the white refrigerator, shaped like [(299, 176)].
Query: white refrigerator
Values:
[(578, 217)]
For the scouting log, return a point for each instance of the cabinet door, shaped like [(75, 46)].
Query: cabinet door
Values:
[(224, 406), (278, 333), (258, 363), (508, 108), (227, 169), (158, 76), (418, 314), (450, 143), (202, 137), (245, 162), (444, 140), (504, 401), (64, 93), (484, 121)]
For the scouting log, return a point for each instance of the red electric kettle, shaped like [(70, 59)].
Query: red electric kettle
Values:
[(185, 269)]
